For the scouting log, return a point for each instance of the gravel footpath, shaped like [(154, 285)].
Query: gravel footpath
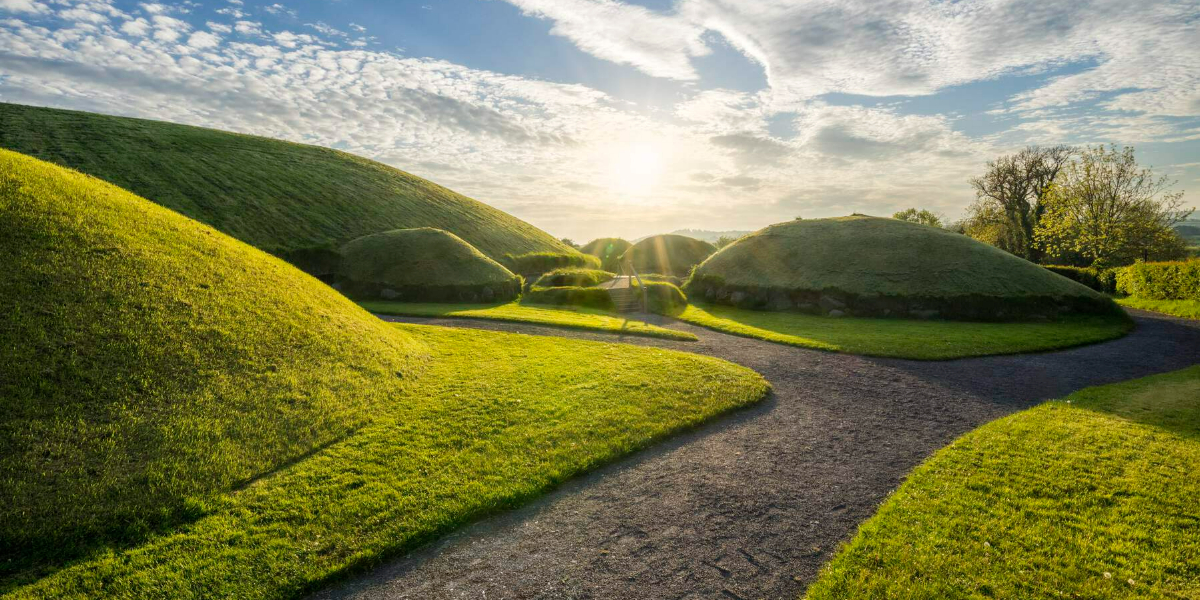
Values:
[(751, 505)]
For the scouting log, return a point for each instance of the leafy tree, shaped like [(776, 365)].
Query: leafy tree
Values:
[(724, 240), (1105, 211), (1008, 198), (924, 217), (570, 243)]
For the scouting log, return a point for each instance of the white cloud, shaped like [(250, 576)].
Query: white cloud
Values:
[(203, 39), (22, 6), (219, 27)]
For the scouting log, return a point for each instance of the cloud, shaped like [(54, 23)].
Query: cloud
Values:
[(660, 45), (22, 6)]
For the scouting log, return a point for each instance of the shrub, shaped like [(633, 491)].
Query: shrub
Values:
[(533, 264), (663, 298), (671, 279), (573, 277), (1101, 280), (570, 295), (1178, 280)]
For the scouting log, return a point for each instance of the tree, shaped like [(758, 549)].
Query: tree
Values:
[(724, 240), (1008, 198), (570, 243), (923, 217), (1105, 211)]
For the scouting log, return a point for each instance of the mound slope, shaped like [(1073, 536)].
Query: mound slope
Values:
[(148, 361), (885, 267), (289, 199), (423, 264), (608, 250), (668, 254)]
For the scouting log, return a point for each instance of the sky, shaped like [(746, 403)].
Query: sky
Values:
[(593, 118)]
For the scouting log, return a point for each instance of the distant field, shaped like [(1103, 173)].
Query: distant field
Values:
[(562, 316), (1188, 309), (275, 195), (1092, 497), (534, 412), (905, 338)]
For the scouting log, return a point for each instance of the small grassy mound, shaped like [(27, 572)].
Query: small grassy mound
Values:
[(668, 254), (1091, 497), (532, 265), (570, 317), (869, 266), (497, 419), (906, 338), (570, 295), (294, 200), (424, 264), (150, 362), (608, 250), (574, 276)]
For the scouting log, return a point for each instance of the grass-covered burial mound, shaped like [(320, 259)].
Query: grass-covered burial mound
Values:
[(668, 254), (608, 250), (423, 265), (869, 266), (148, 362)]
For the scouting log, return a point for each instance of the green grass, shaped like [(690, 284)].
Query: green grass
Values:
[(420, 257), (572, 276), (149, 361), (565, 316), (608, 250), (870, 257), (532, 412), (905, 338), (275, 195), (668, 254), (1188, 309), (1091, 497)]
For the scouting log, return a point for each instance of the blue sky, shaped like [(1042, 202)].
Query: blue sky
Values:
[(603, 117)]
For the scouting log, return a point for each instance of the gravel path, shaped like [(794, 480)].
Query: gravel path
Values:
[(751, 505)]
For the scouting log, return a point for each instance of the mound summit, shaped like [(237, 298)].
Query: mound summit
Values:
[(423, 264), (668, 254), (870, 266)]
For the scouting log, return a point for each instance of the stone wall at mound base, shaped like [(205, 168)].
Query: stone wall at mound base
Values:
[(836, 303)]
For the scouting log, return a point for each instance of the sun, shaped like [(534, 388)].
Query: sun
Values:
[(636, 168)]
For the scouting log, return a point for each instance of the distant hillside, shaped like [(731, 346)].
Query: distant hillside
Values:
[(278, 196), (704, 234)]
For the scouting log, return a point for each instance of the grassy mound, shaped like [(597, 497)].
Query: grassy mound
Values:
[(420, 265), (608, 250), (1091, 497), (293, 200), (531, 412), (150, 362), (869, 266), (668, 254), (573, 277)]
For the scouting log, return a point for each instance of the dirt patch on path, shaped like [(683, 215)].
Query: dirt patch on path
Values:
[(751, 505)]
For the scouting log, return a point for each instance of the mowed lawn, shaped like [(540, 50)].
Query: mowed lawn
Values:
[(557, 316), (1094, 496), (494, 420), (906, 338), (1188, 309)]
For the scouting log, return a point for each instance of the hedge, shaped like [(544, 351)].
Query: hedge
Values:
[(1179, 280), (573, 277), (1101, 280), (570, 295), (663, 297), (503, 291)]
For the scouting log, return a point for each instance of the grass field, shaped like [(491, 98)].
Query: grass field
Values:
[(1188, 309), (150, 361), (668, 254), (275, 195), (559, 316), (905, 338), (1091, 497), (536, 411)]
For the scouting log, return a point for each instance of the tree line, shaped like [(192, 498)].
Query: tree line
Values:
[(1084, 207)]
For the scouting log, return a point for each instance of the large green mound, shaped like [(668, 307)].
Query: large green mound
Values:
[(608, 250), (294, 200), (423, 264), (872, 266), (668, 254), (148, 362)]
